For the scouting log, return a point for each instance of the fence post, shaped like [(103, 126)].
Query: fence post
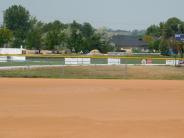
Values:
[(126, 69), (63, 71)]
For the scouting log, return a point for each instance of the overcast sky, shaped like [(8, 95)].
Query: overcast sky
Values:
[(115, 14)]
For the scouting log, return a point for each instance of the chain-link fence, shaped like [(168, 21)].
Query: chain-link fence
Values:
[(31, 61), (86, 67)]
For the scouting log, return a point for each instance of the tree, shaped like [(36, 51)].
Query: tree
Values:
[(104, 44), (87, 33), (5, 36), (17, 19), (170, 28), (148, 38), (75, 26), (34, 36), (52, 40), (164, 47), (53, 26), (164, 36), (34, 40), (180, 48), (173, 26), (156, 45), (75, 41), (87, 30), (154, 31), (54, 35)]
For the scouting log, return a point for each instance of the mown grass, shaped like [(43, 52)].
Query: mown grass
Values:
[(100, 72)]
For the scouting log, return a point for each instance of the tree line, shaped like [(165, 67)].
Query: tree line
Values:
[(21, 29), (161, 38)]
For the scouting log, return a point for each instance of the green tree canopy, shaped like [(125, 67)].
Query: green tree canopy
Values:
[(35, 34), (164, 35), (154, 31), (53, 26), (52, 40), (5, 36), (17, 19), (173, 26)]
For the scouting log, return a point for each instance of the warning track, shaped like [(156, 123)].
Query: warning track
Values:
[(59, 108)]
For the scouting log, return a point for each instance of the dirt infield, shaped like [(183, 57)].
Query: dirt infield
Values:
[(51, 108)]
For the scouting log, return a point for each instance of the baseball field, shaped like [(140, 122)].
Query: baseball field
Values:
[(59, 108)]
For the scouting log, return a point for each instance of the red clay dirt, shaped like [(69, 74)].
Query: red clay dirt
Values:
[(56, 108)]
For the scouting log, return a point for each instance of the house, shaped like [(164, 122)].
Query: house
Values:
[(129, 44)]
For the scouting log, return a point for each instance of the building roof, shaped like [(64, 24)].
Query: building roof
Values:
[(128, 41)]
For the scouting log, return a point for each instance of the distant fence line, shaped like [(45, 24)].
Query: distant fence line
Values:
[(127, 54), (85, 60), (93, 57)]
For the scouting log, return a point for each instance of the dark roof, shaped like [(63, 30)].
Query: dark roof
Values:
[(126, 41)]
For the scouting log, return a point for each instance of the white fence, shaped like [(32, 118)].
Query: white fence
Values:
[(114, 61), (10, 51), (77, 61), (174, 62), (3, 59), (17, 58), (87, 61), (12, 58)]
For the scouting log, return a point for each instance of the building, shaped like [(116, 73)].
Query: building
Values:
[(129, 44)]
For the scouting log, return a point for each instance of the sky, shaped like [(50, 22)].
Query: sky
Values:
[(114, 14)]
